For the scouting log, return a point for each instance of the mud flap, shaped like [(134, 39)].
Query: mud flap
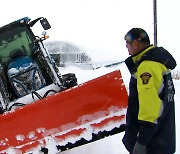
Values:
[(76, 116)]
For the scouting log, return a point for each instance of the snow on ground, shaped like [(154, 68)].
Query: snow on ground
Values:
[(113, 144)]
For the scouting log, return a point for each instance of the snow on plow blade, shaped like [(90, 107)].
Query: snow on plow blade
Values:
[(79, 115)]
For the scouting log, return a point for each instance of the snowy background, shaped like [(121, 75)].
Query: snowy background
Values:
[(99, 27)]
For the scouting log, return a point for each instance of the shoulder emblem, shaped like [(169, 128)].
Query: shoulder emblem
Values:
[(145, 77)]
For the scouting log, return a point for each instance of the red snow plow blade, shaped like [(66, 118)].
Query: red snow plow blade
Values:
[(79, 115)]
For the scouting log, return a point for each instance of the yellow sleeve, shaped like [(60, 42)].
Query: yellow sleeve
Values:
[(149, 81)]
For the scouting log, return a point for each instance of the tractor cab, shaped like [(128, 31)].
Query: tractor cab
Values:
[(23, 66)]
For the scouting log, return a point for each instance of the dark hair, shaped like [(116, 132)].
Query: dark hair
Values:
[(137, 34)]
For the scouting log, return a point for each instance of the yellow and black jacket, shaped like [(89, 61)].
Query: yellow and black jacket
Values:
[(150, 118)]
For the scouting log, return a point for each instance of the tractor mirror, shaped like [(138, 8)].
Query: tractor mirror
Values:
[(45, 24)]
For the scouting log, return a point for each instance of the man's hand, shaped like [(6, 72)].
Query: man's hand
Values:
[(139, 149)]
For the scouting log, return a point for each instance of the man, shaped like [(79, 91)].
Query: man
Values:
[(150, 118)]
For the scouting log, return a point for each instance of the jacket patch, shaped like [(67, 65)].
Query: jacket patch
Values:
[(145, 77)]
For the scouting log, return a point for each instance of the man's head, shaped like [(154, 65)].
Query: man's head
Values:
[(136, 40)]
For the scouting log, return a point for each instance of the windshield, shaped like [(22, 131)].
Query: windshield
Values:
[(14, 42)]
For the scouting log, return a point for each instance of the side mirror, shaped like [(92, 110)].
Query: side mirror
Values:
[(45, 24)]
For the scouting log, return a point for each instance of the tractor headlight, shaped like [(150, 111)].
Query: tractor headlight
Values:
[(21, 91), (37, 81)]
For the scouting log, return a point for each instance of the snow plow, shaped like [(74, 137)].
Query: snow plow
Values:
[(42, 108)]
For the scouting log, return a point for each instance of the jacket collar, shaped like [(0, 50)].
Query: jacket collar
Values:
[(138, 56), (130, 61)]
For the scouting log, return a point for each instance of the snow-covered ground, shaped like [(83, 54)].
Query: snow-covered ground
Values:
[(113, 144)]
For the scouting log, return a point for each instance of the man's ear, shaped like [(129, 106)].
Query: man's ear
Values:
[(135, 44)]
